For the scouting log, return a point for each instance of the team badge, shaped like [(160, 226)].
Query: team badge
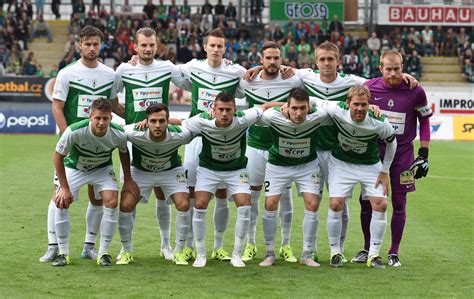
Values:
[(390, 103), (181, 177), (94, 83), (406, 178), (316, 178), (112, 175), (244, 178)]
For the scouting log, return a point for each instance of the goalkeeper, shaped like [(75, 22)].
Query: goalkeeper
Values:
[(403, 107)]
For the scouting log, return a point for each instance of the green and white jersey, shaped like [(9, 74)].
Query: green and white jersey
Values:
[(85, 151), (78, 86), (293, 144), (223, 148), (208, 82), (260, 91), (146, 85), (155, 156), (357, 142), (334, 91)]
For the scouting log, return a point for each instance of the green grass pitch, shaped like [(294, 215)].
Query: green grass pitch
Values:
[(436, 251)]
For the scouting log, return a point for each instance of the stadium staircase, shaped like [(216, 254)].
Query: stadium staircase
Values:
[(49, 54), (441, 69)]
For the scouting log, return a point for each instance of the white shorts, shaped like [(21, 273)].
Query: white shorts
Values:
[(191, 160), (101, 179), (236, 181), (323, 158), (306, 177), (256, 165), (170, 181), (344, 176)]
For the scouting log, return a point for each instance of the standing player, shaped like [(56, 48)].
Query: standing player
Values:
[(328, 84), (75, 88), (156, 163), (403, 107), (293, 158), (354, 160), (268, 86), (146, 84), (84, 156), (209, 77), (222, 161)]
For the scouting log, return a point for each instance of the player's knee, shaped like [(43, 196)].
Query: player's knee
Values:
[(221, 193), (336, 205), (127, 206), (380, 206), (182, 205), (271, 204)]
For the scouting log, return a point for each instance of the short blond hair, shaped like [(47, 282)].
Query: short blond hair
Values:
[(328, 46), (390, 53), (358, 90)]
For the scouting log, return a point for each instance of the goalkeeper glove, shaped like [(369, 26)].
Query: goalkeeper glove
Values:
[(420, 167)]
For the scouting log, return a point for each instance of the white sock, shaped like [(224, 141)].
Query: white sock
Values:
[(345, 223), (251, 236), (378, 225), (125, 226), (310, 230), (163, 216), (190, 236), (241, 228), (93, 220), (269, 222), (286, 216), (107, 229), (63, 226), (221, 220), (334, 231), (183, 222), (199, 228), (52, 240), (314, 247)]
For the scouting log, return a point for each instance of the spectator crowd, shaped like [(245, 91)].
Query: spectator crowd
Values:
[(181, 28)]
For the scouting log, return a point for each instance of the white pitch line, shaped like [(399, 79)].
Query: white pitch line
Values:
[(450, 177)]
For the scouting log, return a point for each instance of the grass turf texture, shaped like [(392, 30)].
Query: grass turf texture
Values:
[(435, 252)]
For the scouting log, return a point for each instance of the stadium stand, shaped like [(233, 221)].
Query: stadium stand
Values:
[(181, 28)]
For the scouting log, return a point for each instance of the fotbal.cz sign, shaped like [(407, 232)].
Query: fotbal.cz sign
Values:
[(26, 89), (425, 15)]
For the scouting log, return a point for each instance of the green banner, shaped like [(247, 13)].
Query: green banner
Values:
[(297, 9)]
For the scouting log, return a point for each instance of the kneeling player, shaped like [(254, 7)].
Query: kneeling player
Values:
[(88, 145), (356, 160), (156, 163), (293, 158), (222, 162)]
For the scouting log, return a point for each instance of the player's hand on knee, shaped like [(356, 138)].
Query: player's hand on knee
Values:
[(132, 187), (420, 166), (63, 199), (385, 181)]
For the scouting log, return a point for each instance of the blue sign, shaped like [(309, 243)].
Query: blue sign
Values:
[(31, 120)]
